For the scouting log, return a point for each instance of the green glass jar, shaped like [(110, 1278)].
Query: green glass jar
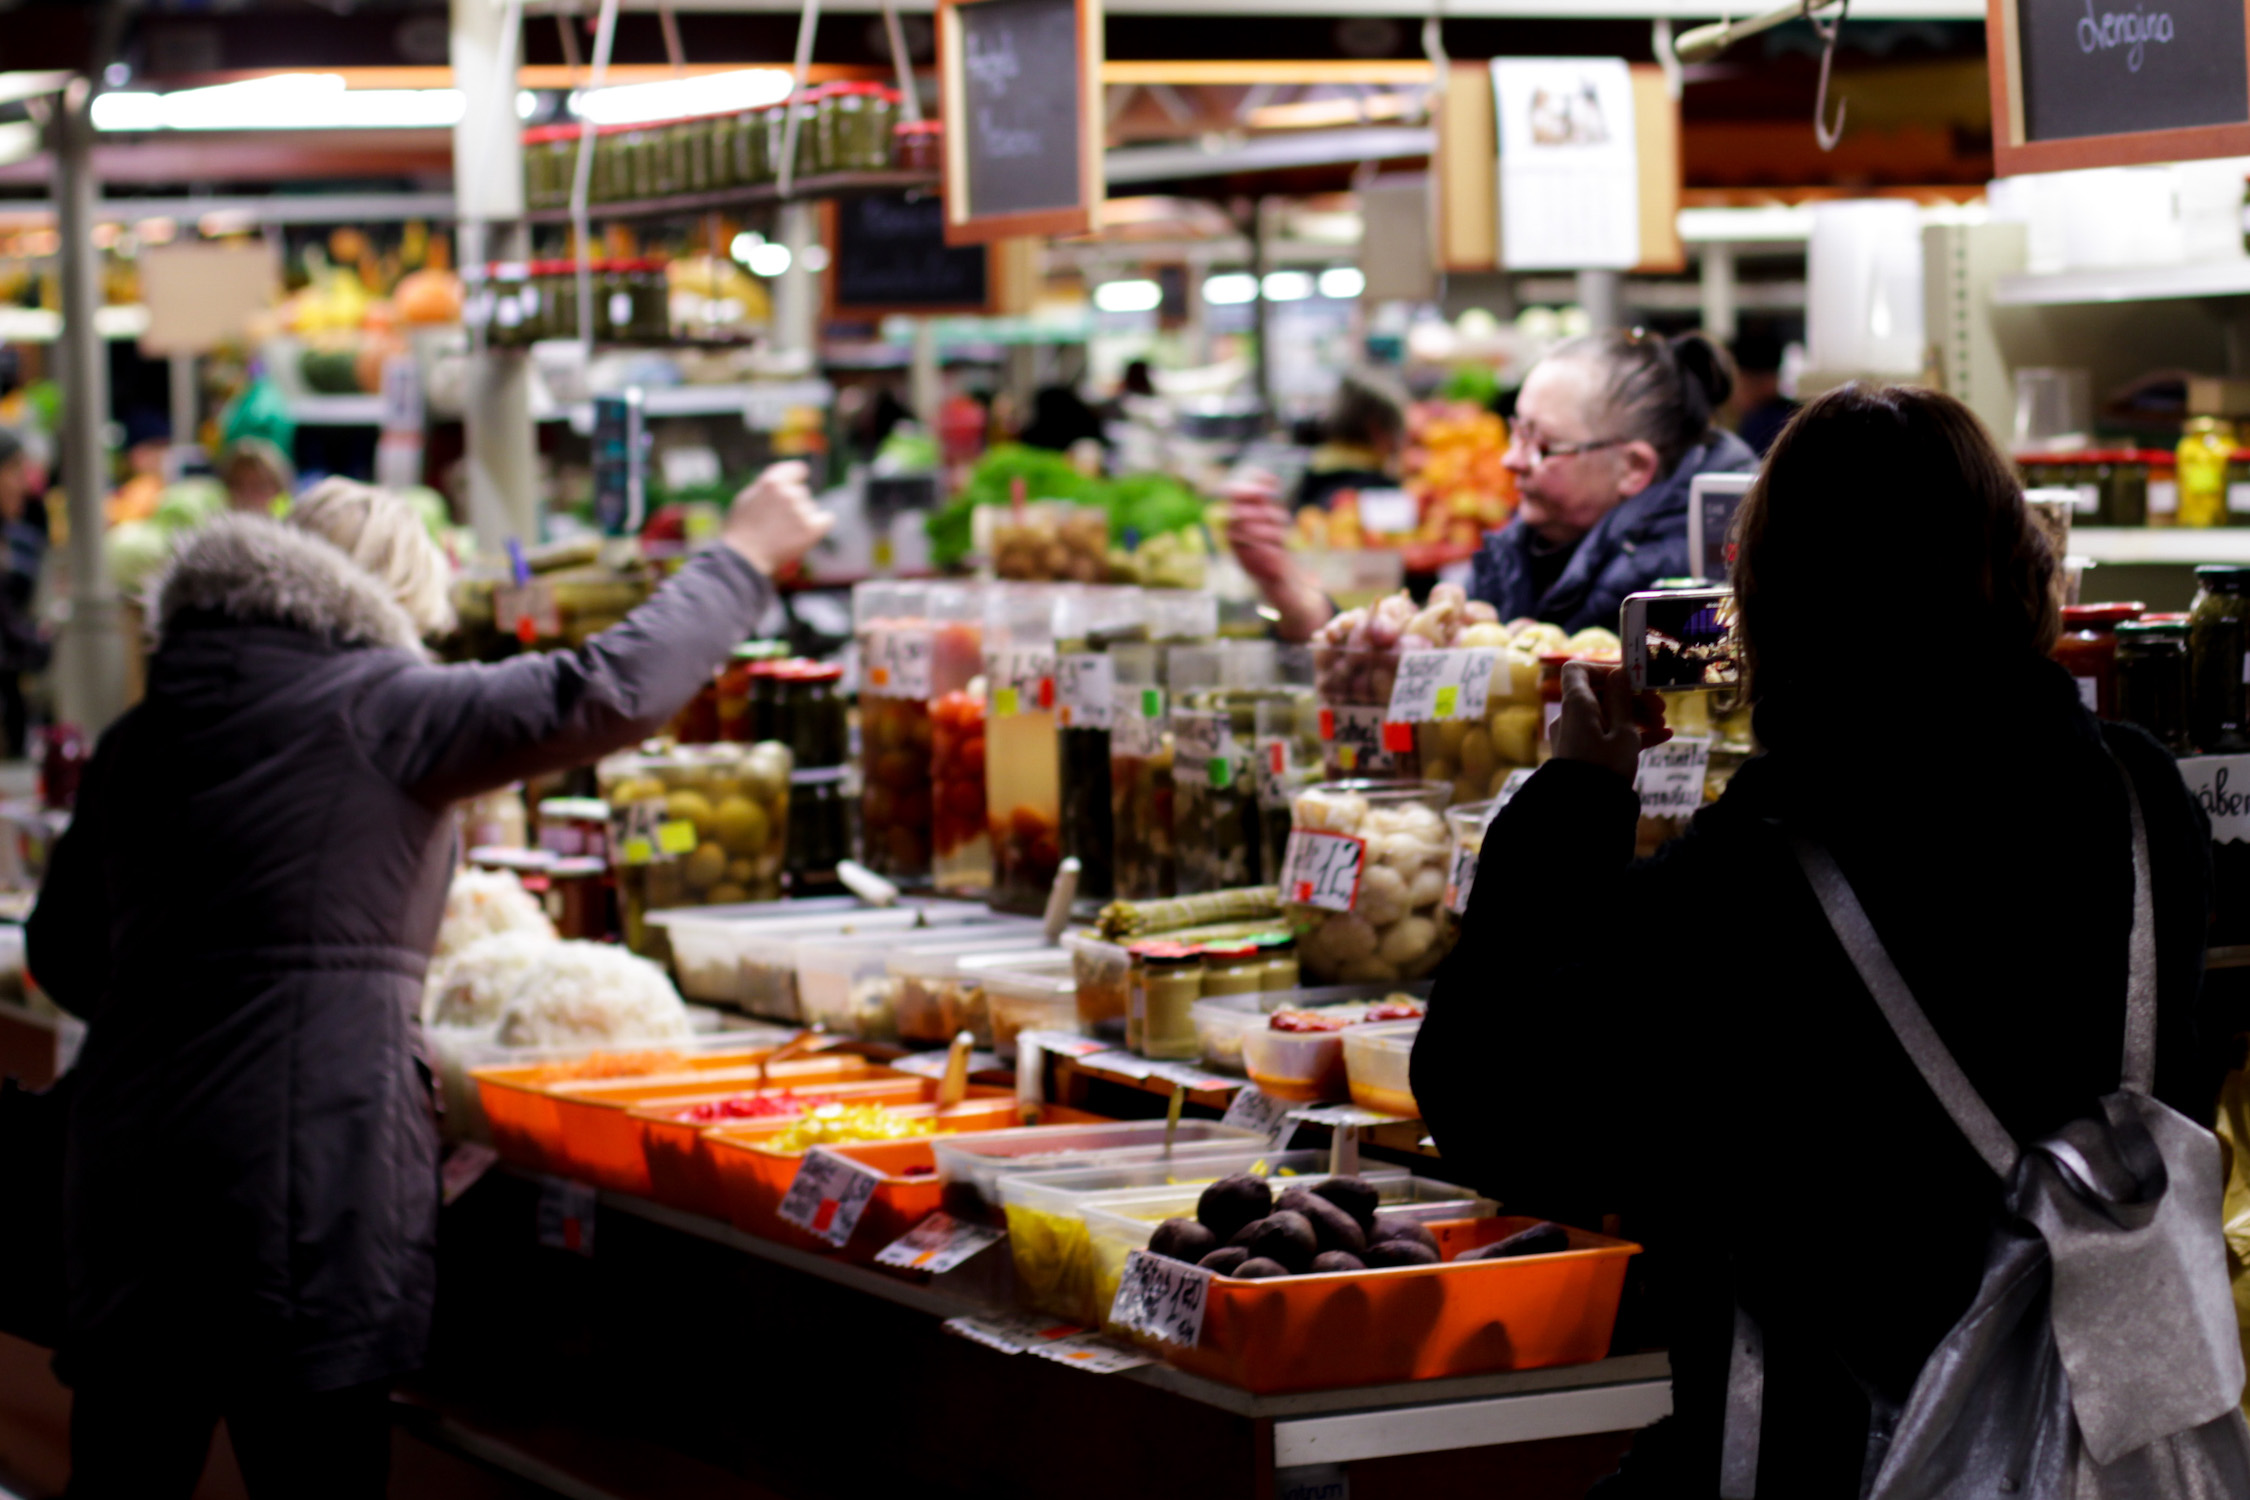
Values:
[(2219, 660), (692, 145), (719, 143), (2152, 680), (855, 127), (750, 147), (807, 108), (2124, 488), (614, 165), (510, 281)]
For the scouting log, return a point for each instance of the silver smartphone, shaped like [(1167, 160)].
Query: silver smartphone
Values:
[(1678, 640)]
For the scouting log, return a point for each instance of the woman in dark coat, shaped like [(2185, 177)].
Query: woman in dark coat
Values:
[(1682, 1041), (243, 911)]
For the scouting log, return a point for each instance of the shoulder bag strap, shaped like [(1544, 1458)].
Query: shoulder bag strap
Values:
[(2139, 1075)]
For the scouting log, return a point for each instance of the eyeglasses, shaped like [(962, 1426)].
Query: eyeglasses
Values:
[(1538, 452)]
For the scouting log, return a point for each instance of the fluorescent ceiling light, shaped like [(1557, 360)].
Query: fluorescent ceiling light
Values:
[(1342, 282), (1288, 286), (674, 98), (1128, 296), (19, 141), (286, 101), (767, 259), (1229, 289)]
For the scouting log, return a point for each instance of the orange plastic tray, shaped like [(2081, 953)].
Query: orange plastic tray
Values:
[(1310, 1333), (522, 1114), (753, 1181), (598, 1142), (681, 1171)]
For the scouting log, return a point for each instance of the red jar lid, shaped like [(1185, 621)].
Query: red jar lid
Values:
[(1159, 948), (2109, 456), (855, 86), (2158, 457), (918, 127), (2166, 618), (541, 134), (2100, 616)]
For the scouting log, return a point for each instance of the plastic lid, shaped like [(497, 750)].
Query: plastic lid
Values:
[(918, 127), (578, 866), (539, 134), (861, 86), (2098, 616), (574, 807), (2154, 629), (2228, 577), (1230, 952)]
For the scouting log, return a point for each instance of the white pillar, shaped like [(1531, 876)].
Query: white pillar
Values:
[(90, 654), (1598, 293), (1719, 320), (488, 187), (796, 300)]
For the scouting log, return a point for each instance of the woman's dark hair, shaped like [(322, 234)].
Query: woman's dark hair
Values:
[(1368, 411), (1658, 391), (1886, 526)]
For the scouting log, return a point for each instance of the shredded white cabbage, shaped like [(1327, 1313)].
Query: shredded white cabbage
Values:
[(591, 992), (485, 903)]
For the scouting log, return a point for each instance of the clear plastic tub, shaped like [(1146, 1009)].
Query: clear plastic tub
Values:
[(972, 1167), (1222, 1021), (1376, 1059), (742, 956), (1027, 995), (1390, 930), (1047, 1228), (1105, 973), (836, 974), (925, 989)]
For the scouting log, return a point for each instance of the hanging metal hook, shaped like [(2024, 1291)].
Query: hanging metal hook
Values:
[(1827, 30)]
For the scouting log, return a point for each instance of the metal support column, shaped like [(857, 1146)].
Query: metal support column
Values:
[(1719, 292), (488, 185), (1261, 311), (925, 379), (90, 656), (796, 301), (1599, 293)]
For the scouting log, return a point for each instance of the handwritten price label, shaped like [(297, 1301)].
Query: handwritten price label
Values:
[(1092, 1353), (1161, 1298), (2221, 784), (828, 1195), (898, 663), (1085, 691), (1202, 748), (1671, 777), (1274, 762), (1019, 681), (1136, 721), (1354, 731), (939, 1243), (566, 1215), (1434, 685), (1322, 869), (1255, 1109), (527, 611)]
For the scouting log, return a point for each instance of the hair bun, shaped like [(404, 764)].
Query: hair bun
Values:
[(1706, 367)]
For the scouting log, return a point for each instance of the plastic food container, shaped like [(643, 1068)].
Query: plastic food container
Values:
[(1026, 994), (1302, 1065), (462, 1052), (1047, 1228), (839, 977), (1221, 1022), (1309, 1333), (1375, 1061), (713, 950), (971, 1167), (681, 1171), (1104, 971), (1389, 893), (1119, 1224), (931, 997)]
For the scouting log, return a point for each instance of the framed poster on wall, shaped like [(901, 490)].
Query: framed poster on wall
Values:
[(2091, 83)]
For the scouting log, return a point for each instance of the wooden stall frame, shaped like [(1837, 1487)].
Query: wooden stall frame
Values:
[(960, 228), (2012, 152)]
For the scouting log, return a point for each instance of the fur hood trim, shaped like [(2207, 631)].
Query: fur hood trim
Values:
[(258, 571)]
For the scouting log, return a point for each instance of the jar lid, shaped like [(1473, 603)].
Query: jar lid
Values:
[(2230, 578), (810, 671), (574, 807), (1230, 952), (540, 134), (578, 866), (918, 127), (2153, 630), (2096, 616), (1159, 950), (856, 86)]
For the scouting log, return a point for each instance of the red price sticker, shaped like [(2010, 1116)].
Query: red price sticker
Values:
[(1398, 738), (1322, 869)]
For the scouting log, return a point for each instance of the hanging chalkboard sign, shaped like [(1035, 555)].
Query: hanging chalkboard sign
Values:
[(891, 256), (1020, 91), (2093, 83)]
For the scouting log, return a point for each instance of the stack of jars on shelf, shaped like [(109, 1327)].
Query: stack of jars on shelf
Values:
[(514, 304), (851, 126), (2185, 678)]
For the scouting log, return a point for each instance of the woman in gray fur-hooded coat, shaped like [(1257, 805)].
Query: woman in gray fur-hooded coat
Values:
[(244, 909)]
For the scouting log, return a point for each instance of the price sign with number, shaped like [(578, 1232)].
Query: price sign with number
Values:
[(1355, 730), (1019, 680), (939, 1243), (1162, 1298), (828, 1195), (1322, 869), (1137, 718), (898, 663), (1438, 685), (1671, 777), (1202, 747), (1255, 1109), (1085, 690)]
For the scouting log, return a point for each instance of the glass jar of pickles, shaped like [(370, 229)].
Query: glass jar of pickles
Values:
[(737, 685), (960, 836), (1367, 871), (1140, 776), (2088, 651), (2205, 444), (896, 642), (855, 127), (1285, 759), (1465, 826), (1167, 980), (2219, 660), (1089, 623), (918, 146), (1022, 777), (808, 711), (2163, 486), (633, 302), (1216, 829), (696, 825), (2152, 680)]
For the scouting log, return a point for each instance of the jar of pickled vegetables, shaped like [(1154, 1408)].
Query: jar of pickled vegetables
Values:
[(1167, 981), (1022, 778), (695, 156), (855, 127), (811, 716), (960, 838), (1216, 830), (2204, 448), (750, 164), (1140, 776), (918, 146), (1089, 623), (737, 685), (896, 646), (696, 825), (2088, 651), (1367, 871), (2163, 486), (1286, 757), (2219, 660), (508, 281), (1465, 826), (819, 830), (2152, 680)]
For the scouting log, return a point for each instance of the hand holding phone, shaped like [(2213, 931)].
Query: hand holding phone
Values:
[(1604, 722), (1679, 640)]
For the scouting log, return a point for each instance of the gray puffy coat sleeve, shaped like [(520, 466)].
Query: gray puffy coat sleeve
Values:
[(448, 732)]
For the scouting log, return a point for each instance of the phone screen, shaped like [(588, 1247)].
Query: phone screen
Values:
[(1682, 641)]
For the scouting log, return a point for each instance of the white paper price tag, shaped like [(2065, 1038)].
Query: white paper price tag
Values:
[(1188, 1076), (1123, 1064), (1671, 777), (1334, 1115), (939, 1243), (1010, 1333), (1203, 748), (1019, 680), (1255, 1109), (1322, 869), (1517, 780), (1355, 730), (828, 1195), (1064, 1043), (1137, 716), (1085, 691), (533, 604), (932, 1064), (1092, 1353), (402, 395), (2221, 784), (1434, 685), (566, 1215), (1388, 513), (1274, 766), (1161, 1298), (898, 663), (1461, 879)]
